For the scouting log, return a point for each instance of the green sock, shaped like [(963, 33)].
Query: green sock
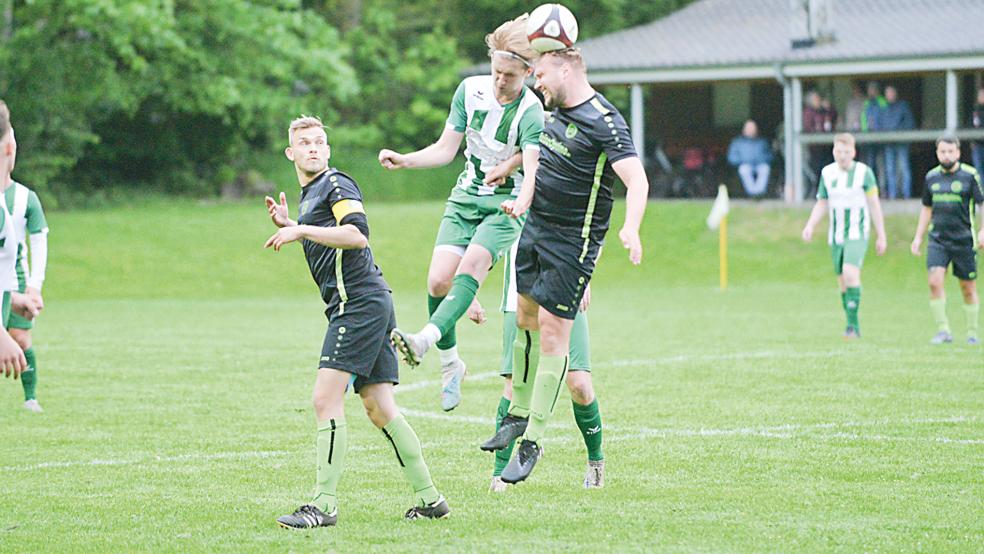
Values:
[(972, 311), (411, 458), (29, 379), (455, 304), (502, 456), (938, 307), (852, 301), (332, 444), (526, 358), (588, 419), (448, 339), (844, 301), (546, 389)]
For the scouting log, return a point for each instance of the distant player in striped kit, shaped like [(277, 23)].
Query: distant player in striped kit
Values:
[(848, 191), (498, 117), (29, 224)]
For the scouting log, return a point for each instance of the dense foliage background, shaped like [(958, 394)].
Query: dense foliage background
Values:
[(183, 96)]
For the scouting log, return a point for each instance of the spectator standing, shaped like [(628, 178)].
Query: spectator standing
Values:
[(897, 116), (815, 120), (870, 121), (977, 122), (752, 156), (853, 110)]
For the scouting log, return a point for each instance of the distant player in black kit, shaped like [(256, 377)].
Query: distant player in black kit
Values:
[(952, 195), (584, 145), (333, 228)]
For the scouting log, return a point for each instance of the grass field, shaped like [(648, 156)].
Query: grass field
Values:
[(176, 359)]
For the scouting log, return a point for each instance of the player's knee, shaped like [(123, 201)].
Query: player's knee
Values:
[(579, 383), (438, 284), (22, 338)]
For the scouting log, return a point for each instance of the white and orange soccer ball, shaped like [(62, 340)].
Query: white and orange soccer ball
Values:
[(551, 27)]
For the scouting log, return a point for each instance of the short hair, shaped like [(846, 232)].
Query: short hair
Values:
[(511, 37), (303, 122), (4, 119), (949, 139), (844, 138), (568, 55)]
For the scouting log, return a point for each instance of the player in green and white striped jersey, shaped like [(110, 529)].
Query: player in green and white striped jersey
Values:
[(29, 224), (849, 192), (498, 117), (12, 360)]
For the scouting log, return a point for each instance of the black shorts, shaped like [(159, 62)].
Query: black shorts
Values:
[(357, 340), (554, 266), (963, 257)]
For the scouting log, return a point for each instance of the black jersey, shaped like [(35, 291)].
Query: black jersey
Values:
[(334, 199), (953, 197), (575, 176)]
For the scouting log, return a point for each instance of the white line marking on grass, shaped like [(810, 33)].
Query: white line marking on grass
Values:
[(194, 457), (786, 431), (764, 354), (437, 382)]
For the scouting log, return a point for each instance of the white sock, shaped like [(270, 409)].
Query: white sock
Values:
[(448, 356), (431, 334)]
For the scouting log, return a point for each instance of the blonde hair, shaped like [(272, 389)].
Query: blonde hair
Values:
[(303, 122), (844, 138), (4, 119), (511, 37)]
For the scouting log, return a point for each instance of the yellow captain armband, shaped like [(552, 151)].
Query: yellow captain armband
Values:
[(346, 207), (872, 192)]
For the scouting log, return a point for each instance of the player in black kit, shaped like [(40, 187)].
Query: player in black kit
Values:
[(334, 231), (585, 143), (952, 196)]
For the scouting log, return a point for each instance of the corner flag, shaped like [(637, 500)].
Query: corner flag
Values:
[(718, 219)]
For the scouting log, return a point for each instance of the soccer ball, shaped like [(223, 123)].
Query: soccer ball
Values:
[(551, 27)]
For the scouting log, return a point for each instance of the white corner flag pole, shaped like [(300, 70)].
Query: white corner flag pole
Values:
[(718, 219)]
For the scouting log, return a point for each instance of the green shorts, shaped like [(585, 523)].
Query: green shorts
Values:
[(470, 219), (851, 252), (580, 347)]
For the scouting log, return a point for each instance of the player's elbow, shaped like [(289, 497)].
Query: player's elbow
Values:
[(356, 240)]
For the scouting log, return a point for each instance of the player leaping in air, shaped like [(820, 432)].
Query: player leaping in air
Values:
[(497, 116), (586, 143)]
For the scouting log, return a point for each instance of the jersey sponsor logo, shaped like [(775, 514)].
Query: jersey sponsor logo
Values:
[(563, 308), (555, 145), (571, 131)]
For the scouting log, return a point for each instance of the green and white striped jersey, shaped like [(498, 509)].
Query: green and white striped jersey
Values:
[(846, 194), (493, 132), (8, 249), (29, 221)]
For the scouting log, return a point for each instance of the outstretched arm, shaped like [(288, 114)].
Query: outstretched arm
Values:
[(438, 154), (343, 237)]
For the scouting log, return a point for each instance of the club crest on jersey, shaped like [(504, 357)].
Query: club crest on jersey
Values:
[(935, 187), (305, 207), (571, 131), (956, 186)]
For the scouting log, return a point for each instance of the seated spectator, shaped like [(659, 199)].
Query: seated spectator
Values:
[(896, 116), (752, 156)]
